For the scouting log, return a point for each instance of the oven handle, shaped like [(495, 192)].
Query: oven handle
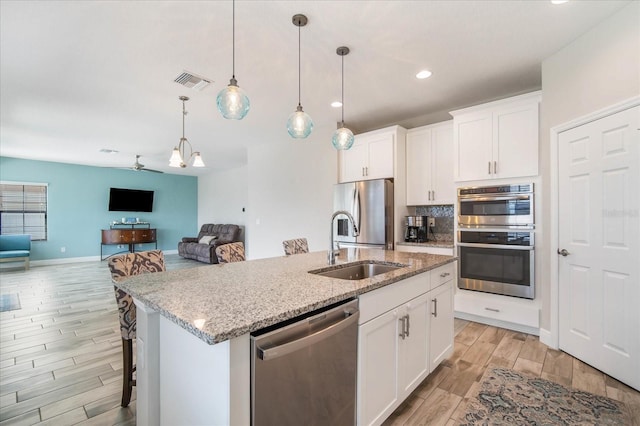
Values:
[(496, 246), (467, 198)]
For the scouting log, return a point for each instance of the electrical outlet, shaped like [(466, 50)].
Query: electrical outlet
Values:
[(63, 249), (432, 222)]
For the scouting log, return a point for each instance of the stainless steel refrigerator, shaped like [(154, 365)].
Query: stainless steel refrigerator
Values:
[(370, 202)]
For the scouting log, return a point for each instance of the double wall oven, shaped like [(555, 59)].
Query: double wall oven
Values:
[(496, 239)]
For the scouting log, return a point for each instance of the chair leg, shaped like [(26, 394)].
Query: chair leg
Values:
[(127, 371)]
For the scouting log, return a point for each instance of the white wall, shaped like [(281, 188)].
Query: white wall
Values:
[(222, 196), (600, 68), (290, 193)]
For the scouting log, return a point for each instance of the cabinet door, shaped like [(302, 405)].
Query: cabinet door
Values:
[(353, 162), (414, 354), (472, 146), (377, 368), (419, 167), (381, 156), (515, 145), (442, 184), (441, 324)]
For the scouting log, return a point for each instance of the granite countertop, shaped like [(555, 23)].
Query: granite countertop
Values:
[(223, 301), (440, 244)]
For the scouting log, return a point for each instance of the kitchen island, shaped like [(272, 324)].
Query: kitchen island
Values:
[(193, 326)]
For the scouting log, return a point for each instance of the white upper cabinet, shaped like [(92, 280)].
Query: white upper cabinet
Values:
[(430, 165), (371, 157), (497, 140)]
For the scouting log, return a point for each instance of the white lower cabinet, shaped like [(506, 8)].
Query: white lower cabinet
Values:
[(414, 347), (441, 326), (378, 368), (401, 339)]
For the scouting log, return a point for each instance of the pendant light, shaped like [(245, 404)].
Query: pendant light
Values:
[(178, 154), (299, 124), (232, 101), (342, 138)]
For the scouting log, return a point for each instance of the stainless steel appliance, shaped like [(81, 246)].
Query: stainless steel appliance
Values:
[(304, 371), (371, 205), (497, 261), (502, 205), (415, 230)]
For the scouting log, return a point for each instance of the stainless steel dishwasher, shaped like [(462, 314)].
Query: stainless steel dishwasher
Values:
[(303, 372)]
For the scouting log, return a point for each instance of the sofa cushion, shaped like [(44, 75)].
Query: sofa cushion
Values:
[(15, 242), (8, 254), (207, 239)]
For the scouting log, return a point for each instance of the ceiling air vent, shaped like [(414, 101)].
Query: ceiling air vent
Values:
[(192, 81)]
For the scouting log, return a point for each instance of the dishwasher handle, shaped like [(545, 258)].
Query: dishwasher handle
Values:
[(287, 348)]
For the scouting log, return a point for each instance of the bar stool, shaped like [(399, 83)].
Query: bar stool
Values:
[(295, 246), (232, 252), (123, 267)]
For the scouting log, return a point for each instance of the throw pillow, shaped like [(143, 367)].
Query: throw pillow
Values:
[(207, 239)]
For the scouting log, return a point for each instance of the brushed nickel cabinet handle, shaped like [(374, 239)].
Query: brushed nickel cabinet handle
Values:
[(435, 308), (492, 309), (489, 166), (495, 167)]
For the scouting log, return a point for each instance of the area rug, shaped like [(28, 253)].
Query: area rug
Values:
[(508, 397), (9, 302)]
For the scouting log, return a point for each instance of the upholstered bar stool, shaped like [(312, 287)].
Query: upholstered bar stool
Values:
[(295, 246), (232, 252), (122, 267)]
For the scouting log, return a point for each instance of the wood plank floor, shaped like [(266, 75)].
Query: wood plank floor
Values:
[(61, 359)]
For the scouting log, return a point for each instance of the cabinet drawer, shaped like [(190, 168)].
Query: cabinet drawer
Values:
[(443, 274), (379, 301), (516, 311)]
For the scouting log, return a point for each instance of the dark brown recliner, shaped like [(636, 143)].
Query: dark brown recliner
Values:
[(192, 248)]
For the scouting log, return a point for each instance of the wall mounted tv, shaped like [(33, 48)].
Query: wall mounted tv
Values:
[(130, 200)]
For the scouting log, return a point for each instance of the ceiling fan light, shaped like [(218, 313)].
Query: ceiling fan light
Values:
[(176, 158), (299, 124), (232, 101), (342, 138), (197, 160)]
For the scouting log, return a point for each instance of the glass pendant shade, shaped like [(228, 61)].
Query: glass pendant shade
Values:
[(299, 124), (197, 160), (342, 138), (176, 158), (232, 101)]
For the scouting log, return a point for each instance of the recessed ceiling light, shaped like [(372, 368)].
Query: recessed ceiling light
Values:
[(336, 104), (423, 74), (108, 151), (558, 1)]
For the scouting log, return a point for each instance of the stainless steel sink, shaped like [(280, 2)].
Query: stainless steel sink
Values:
[(358, 271)]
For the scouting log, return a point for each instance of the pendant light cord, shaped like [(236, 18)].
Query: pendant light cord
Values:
[(233, 38), (299, 104), (342, 56), (184, 112)]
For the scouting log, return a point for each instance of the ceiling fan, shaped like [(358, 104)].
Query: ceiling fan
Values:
[(137, 166)]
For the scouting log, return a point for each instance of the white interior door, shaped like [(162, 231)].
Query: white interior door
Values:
[(599, 227)]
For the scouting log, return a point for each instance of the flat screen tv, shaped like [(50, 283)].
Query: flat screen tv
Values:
[(130, 200)]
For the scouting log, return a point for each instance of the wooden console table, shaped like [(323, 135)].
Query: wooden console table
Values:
[(129, 234)]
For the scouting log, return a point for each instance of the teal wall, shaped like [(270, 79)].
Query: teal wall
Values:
[(78, 203)]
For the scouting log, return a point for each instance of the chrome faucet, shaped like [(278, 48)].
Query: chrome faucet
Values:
[(331, 257)]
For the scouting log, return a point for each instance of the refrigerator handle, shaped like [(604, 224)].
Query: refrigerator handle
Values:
[(356, 206)]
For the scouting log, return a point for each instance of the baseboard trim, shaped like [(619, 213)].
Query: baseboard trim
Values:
[(62, 261), (547, 338), (497, 323)]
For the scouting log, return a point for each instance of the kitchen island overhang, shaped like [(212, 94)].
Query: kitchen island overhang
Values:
[(201, 376)]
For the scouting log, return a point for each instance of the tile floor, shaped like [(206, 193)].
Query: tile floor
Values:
[(61, 359)]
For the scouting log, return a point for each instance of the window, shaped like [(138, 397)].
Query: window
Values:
[(23, 209)]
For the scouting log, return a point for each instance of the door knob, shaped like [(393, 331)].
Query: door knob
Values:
[(563, 252)]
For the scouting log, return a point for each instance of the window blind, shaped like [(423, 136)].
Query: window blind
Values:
[(23, 210)]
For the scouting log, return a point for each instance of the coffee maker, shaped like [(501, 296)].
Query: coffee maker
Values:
[(415, 230)]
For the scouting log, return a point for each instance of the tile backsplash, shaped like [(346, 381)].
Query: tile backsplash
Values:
[(444, 220)]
